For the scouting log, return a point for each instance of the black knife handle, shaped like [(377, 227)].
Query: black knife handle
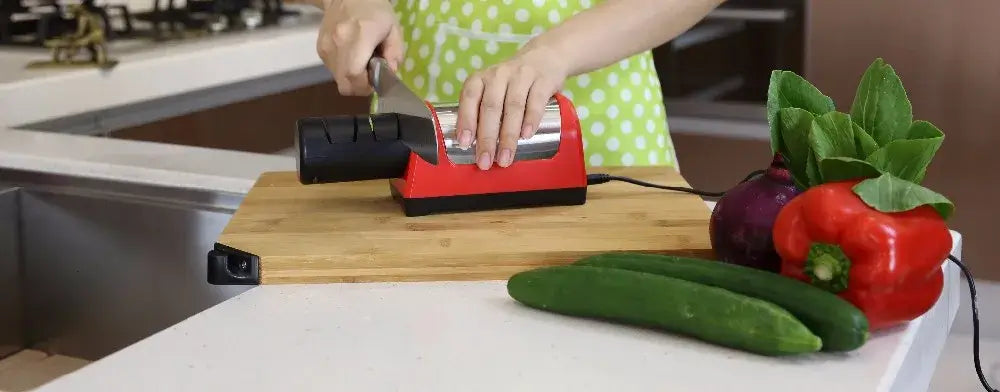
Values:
[(350, 148)]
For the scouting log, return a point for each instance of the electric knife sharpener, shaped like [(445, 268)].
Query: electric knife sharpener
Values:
[(417, 150)]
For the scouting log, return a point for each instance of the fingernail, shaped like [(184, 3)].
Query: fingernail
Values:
[(505, 157), (526, 132), (485, 161), (465, 139)]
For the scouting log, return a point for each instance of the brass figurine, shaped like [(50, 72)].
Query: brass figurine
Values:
[(89, 35)]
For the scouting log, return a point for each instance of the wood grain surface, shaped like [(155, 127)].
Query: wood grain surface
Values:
[(355, 232)]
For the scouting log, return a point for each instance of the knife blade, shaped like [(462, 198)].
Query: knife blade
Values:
[(416, 124)]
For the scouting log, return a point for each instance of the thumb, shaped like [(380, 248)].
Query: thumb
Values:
[(392, 47)]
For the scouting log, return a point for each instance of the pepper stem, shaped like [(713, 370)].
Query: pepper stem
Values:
[(827, 267)]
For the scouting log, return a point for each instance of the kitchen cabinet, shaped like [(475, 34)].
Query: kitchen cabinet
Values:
[(11, 329), (721, 67), (263, 124), (942, 52)]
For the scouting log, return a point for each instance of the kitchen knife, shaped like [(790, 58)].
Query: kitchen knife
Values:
[(416, 125)]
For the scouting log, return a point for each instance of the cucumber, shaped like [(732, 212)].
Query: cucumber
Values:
[(841, 325), (707, 313)]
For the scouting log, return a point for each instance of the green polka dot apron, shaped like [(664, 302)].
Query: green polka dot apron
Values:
[(620, 107)]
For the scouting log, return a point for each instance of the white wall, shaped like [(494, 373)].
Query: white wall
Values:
[(989, 310)]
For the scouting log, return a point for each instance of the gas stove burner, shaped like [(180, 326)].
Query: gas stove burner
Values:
[(251, 18), (217, 23), (22, 24)]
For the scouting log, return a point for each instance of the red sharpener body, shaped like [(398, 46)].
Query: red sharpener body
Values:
[(422, 188)]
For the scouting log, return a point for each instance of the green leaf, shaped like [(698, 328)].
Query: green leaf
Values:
[(812, 172), (796, 124), (880, 104), (833, 136), (840, 146), (921, 129), (845, 168), (866, 145), (906, 159), (890, 194), (788, 90)]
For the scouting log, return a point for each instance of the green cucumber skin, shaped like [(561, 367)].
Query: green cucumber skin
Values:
[(841, 325), (707, 313)]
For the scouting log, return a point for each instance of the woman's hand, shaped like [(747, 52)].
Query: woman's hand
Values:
[(505, 102), (349, 35)]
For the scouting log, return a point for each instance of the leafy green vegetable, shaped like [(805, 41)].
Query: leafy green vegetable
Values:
[(878, 142), (921, 129), (866, 145), (906, 159), (812, 171), (845, 168), (880, 104), (839, 146), (796, 125), (788, 90), (891, 194), (833, 136)]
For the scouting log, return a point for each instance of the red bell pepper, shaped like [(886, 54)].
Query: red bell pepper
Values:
[(888, 264)]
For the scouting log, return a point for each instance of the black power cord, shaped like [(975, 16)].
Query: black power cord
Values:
[(975, 323), (601, 178)]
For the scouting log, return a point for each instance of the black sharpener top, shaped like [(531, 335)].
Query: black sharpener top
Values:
[(350, 148)]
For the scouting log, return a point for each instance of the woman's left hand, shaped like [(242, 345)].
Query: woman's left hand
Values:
[(505, 102)]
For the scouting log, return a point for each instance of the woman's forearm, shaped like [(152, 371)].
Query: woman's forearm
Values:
[(617, 29)]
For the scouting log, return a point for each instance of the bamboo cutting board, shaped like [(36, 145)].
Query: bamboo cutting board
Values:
[(356, 232)]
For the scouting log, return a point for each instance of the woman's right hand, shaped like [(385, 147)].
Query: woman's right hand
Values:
[(351, 32)]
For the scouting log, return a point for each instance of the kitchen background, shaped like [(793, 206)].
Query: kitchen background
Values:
[(715, 77)]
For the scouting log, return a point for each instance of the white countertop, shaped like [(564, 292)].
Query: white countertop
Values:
[(136, 161), (148, 72), (470, 336)]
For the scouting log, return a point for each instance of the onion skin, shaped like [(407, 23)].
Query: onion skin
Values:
[(742, 221)]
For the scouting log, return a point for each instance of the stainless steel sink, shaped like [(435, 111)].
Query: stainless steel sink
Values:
[(88, 267)]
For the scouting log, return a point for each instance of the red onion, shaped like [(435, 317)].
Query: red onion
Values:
[(741, 223)]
